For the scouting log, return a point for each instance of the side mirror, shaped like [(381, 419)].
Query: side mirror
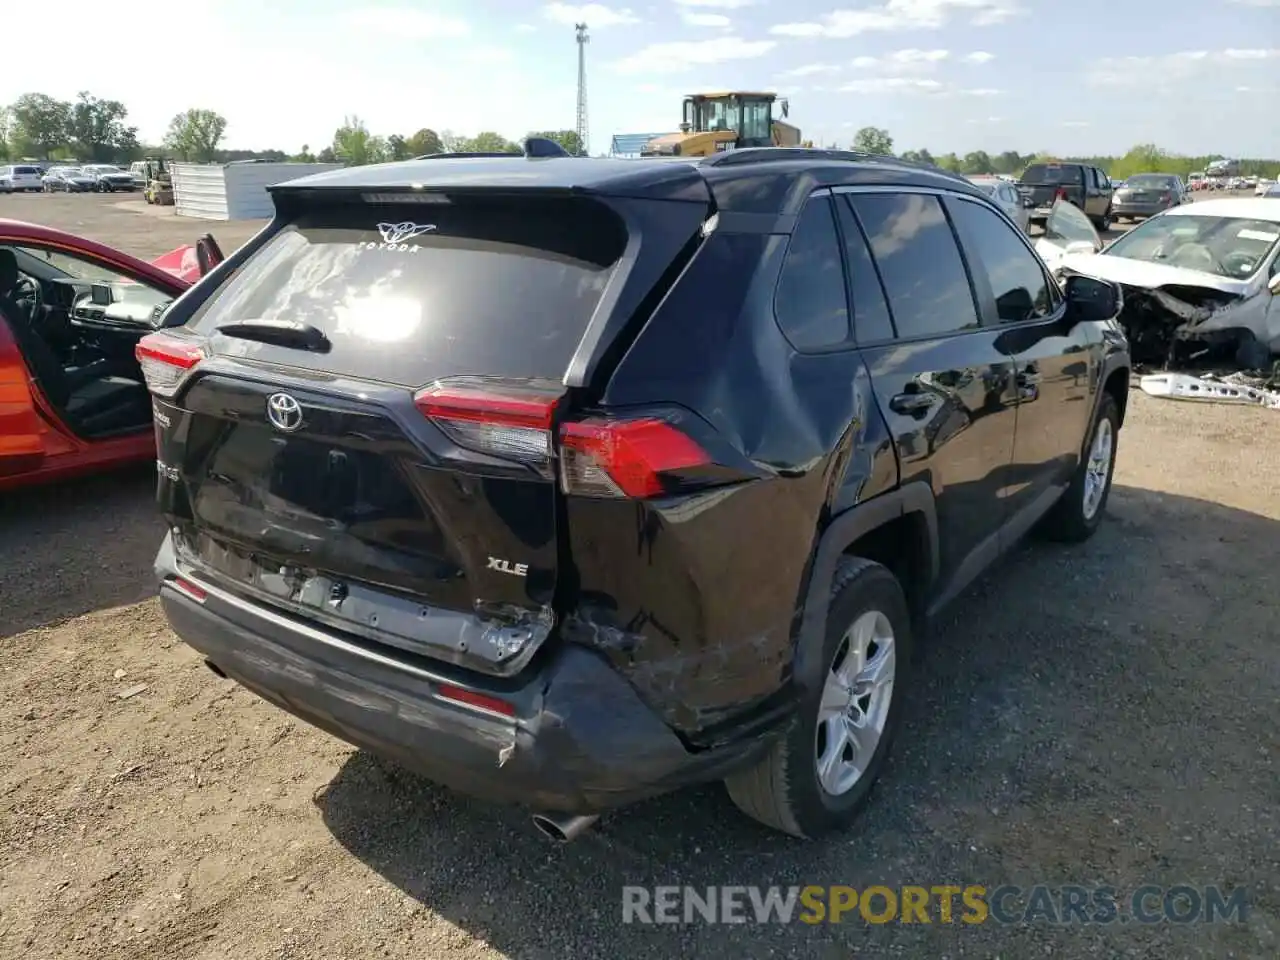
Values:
[(1092, 301)]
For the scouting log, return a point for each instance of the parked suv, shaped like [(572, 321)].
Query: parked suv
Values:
[(568, 482)]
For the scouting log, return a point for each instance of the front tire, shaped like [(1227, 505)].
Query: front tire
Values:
[(1076, 516), (818, 775)]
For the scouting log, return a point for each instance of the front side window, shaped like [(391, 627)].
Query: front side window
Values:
[(1018, 282), (920, 264)]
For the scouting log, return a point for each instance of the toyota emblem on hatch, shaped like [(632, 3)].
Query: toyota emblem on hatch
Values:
[(284, 412)]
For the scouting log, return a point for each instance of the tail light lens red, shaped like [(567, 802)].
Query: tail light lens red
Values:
[(505, 424), (167, 360), (617, 458), (1061, 194)]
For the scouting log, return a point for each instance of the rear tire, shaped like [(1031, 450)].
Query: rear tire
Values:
[(1103, 223), (818, 775), (1076, 516)]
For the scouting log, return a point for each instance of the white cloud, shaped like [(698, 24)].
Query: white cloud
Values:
[(979, 56), (716, 4), (811, 70), (1173, 67), (893, 85), (903, 62), (914, 85), (1256, 3), (595, 15), (892, 15), (704, 19), (1074, 123), (525, 28), (487, 56), (680, 55), (408, 24)]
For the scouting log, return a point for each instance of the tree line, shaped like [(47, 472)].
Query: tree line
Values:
[(90, 129), (93, 130), (1142, 158)]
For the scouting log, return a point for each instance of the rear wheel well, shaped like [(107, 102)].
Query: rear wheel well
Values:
[(902, 545), (1118, 386)]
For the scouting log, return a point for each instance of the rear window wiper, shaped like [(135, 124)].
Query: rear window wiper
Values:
[(281, 333)]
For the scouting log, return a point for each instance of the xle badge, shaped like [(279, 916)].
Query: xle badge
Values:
[(506, 566)]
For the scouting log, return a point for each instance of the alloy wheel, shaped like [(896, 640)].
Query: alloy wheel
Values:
[(854, 707), (1097, 471)]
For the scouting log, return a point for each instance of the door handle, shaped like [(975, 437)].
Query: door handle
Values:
[(911, 404)]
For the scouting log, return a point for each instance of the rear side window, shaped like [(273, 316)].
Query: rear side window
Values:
[(1051, 173), (1019, 284), (810, 300), (493, 287), (919, 263), (25, 171), (871, 320)]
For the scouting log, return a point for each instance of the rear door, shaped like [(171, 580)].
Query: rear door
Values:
[(942, 381), (367, 434)]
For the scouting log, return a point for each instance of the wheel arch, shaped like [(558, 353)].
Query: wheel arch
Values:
[(910, 507)]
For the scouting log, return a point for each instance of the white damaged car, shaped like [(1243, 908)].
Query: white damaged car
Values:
[(1200, 280)]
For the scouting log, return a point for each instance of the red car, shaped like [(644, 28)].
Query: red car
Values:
[(72, 398)]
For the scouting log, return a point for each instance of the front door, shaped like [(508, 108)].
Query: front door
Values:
[(1055, 362)]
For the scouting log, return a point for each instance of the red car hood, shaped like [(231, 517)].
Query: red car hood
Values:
[(181, 262)]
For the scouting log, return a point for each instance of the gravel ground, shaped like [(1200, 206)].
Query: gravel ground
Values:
[(1095, 715)]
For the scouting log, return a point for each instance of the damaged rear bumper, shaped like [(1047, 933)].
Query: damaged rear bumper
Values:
[(580, 742)]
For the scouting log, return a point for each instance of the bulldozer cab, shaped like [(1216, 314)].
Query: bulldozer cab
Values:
[(748, 116)]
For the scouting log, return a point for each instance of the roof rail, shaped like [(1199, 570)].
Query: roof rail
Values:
[(533, 147), (783, 154)]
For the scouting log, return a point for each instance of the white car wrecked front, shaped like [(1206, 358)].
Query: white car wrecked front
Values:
[(1167, 304)]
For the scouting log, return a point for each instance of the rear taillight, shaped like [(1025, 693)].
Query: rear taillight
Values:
[(511, 424), (1061, 194), (625, 457), (167, 360)]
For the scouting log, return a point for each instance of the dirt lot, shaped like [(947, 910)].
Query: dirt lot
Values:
[(1098, 715)]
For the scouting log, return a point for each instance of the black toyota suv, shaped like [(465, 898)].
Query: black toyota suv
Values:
[(567, 482)]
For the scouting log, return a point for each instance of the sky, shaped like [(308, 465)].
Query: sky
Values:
[(1077, 77)]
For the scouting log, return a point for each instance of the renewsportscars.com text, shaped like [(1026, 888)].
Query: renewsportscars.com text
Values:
[(944, 903)]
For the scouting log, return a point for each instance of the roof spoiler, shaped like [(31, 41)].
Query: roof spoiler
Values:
[(533, 148)]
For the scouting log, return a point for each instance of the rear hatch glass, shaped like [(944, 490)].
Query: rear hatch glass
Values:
[(1049, 173), (495, 287)]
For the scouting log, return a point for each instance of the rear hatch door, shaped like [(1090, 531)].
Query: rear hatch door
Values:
[(361, 429)]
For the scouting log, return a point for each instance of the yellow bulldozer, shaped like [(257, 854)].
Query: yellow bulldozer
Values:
[(715, 122)]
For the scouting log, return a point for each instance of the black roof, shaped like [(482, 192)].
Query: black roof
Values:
[(773, 180)]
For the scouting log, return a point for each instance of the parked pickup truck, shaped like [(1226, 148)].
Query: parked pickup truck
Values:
[(1087, 187)]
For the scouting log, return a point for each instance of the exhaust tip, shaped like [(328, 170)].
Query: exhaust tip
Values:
[(561, 829), (549, 829)]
